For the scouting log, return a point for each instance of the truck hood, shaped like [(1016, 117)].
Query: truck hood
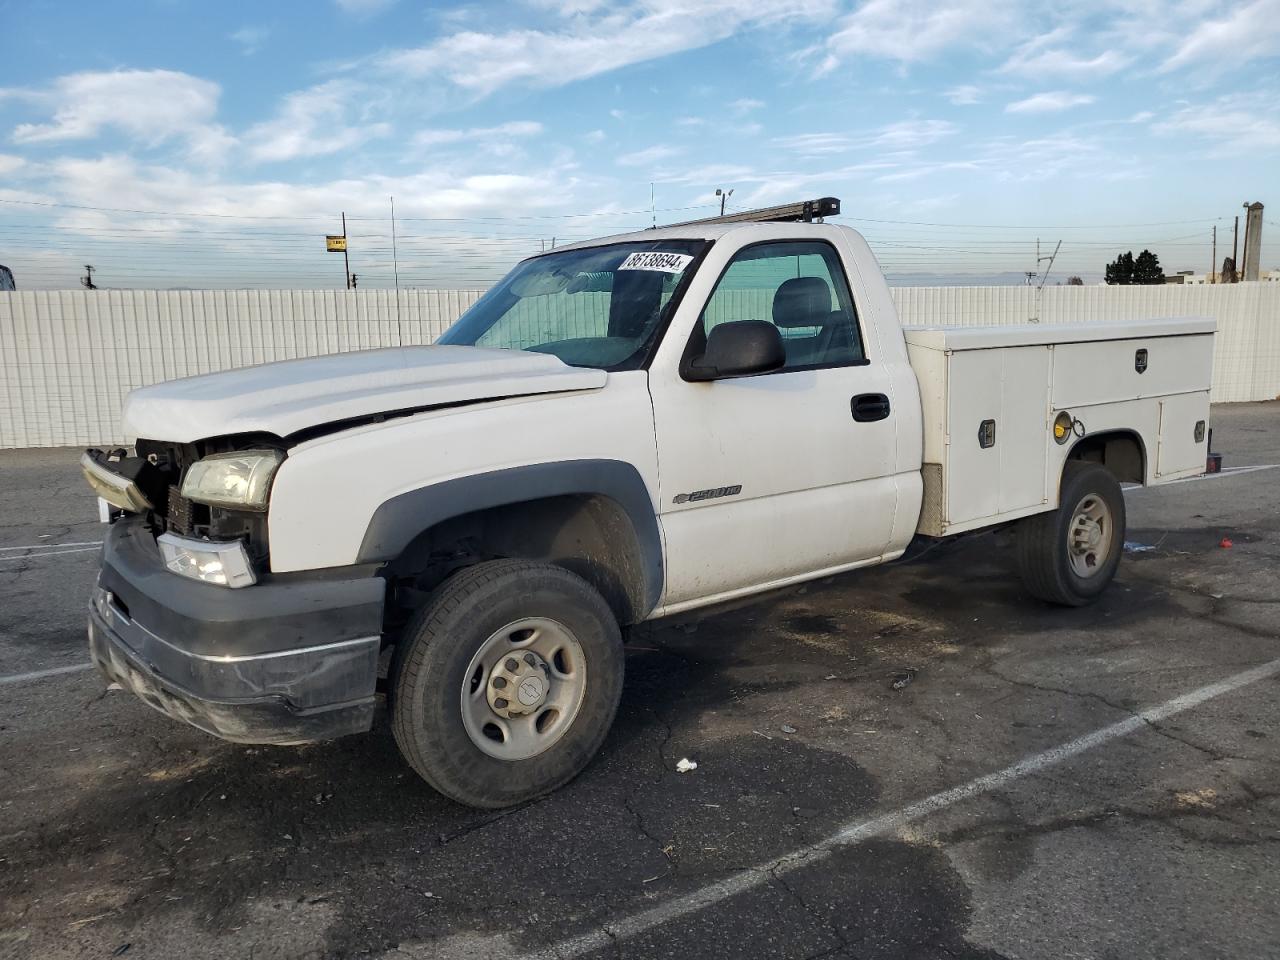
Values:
[(292, 395)]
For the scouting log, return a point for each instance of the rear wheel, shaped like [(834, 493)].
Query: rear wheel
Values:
[(1069, 555), (506, 682)]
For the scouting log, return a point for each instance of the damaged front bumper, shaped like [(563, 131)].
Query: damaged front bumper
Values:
[(290, 660)]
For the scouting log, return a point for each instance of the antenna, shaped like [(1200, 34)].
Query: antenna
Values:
[(653, 211), (1051, 258)]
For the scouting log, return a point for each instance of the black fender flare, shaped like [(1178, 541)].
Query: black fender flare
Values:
[(402, 518)]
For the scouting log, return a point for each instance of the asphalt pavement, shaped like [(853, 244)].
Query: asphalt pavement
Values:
[(913, 761)]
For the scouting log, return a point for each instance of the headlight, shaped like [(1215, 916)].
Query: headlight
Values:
[(115, 488), (238, 480), (225, 563)]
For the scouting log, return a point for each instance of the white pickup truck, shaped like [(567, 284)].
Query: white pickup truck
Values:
[(617, 431)]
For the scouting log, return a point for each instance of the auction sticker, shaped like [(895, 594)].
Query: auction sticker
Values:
[(657, 260)]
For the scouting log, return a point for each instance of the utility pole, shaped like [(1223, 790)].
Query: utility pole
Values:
[(346, 262), (395, 261), (1235, 242), (1213, 259), (87, 280)]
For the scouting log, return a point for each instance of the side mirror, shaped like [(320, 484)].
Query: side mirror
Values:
[(738, 348)]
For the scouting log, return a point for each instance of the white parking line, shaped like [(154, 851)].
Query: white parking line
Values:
[(858, 831), (53, 546), (1221, 475), (1224, 473), (17, 558), (41, 674)]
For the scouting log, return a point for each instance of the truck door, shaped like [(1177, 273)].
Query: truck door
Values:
[(768, 478)]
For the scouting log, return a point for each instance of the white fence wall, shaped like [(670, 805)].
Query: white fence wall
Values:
[(67, 358), (1246, 362)]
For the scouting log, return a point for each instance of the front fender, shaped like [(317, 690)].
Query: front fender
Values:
[(401, 519)]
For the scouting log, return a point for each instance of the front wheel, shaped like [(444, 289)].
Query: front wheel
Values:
[(1069, 555), (507, 682)]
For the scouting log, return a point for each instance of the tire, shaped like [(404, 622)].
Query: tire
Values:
[(454, 663), (1067, 570)]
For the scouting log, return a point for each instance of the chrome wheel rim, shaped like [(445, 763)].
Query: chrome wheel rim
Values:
[(1089, 536), (523, 688)]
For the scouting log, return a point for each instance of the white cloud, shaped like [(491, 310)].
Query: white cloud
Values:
[(745, 105), (915, 171), (311, 123), (815, 144), (1232, 123), (591, 43), (964, 95), (363, 8), (1060, 63), (506, 131), (1251, 32), (903, 135), (435, 191), (914, 30), (911, 134), (1042, 158), (1053, 101), (9, 163), (647, 157), (152, 106), (595, 136), (1142, 116), (1052, 55), (250, 39)]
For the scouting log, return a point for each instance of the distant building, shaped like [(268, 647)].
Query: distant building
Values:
[(1188, 277)]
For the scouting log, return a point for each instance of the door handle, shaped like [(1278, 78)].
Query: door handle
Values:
[(868, 407)]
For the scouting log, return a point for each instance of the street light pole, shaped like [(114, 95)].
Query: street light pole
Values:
[(346, 262), (723, 197)]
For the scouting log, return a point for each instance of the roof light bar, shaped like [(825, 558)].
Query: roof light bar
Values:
[(805, 211)]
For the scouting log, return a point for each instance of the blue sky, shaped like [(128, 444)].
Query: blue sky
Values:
[(184, 144)]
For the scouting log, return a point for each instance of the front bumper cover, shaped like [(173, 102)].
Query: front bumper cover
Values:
[(290, 660)]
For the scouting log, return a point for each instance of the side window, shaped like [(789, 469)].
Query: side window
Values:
[(799, 287)]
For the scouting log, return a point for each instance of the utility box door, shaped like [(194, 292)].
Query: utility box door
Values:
[(996, 397), (1183, 418)]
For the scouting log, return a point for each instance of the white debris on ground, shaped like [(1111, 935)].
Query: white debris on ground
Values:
[(686, 765)]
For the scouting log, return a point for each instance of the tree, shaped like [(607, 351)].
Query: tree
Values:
[(1146, 269), (1074, 282), (1120, 270)]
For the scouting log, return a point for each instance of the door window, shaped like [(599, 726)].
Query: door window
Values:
[(799, 287)]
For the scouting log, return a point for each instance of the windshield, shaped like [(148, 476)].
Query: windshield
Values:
[(592, 307)]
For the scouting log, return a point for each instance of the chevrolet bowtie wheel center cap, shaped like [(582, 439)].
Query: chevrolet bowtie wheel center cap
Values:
[(518, 684)]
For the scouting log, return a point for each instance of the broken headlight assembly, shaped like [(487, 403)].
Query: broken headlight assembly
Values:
[(238, 481), (129, 483)]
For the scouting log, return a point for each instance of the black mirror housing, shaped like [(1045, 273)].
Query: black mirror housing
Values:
[(738, 348)]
